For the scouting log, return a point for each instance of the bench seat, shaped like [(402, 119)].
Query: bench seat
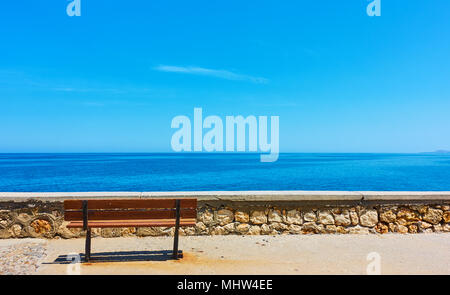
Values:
[(132, 223), (113, 213)]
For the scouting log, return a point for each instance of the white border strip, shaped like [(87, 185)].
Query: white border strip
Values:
[(235, 195)]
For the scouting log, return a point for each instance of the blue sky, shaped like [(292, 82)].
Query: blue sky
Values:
[(112, 79)]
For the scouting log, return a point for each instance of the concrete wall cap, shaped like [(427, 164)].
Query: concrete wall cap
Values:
[(235, 196)]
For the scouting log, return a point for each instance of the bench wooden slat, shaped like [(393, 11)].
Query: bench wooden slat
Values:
[(133, 223), (129, 214), (129, 204)]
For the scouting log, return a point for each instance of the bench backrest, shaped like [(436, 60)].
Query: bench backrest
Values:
[(125, 209)]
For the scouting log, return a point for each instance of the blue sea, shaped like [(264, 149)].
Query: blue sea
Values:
[(204, 172)]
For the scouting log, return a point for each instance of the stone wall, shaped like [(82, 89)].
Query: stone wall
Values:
[(268, 213)]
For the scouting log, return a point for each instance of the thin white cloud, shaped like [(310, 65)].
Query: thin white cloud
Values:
[(210, 72), (71, 89), (124, 90)]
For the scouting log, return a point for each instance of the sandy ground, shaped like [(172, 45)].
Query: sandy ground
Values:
[(289, 254)]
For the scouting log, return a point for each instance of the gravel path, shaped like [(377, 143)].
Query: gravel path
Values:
[(289, 254), (284, 254), (21, 257)]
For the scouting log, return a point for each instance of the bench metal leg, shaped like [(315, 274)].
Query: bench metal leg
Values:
[(87, 254), (177, 227)]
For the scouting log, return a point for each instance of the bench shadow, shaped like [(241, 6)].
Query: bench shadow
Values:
[(121, 256)]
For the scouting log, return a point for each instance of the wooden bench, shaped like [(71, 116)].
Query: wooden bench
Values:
[(89, 214)]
